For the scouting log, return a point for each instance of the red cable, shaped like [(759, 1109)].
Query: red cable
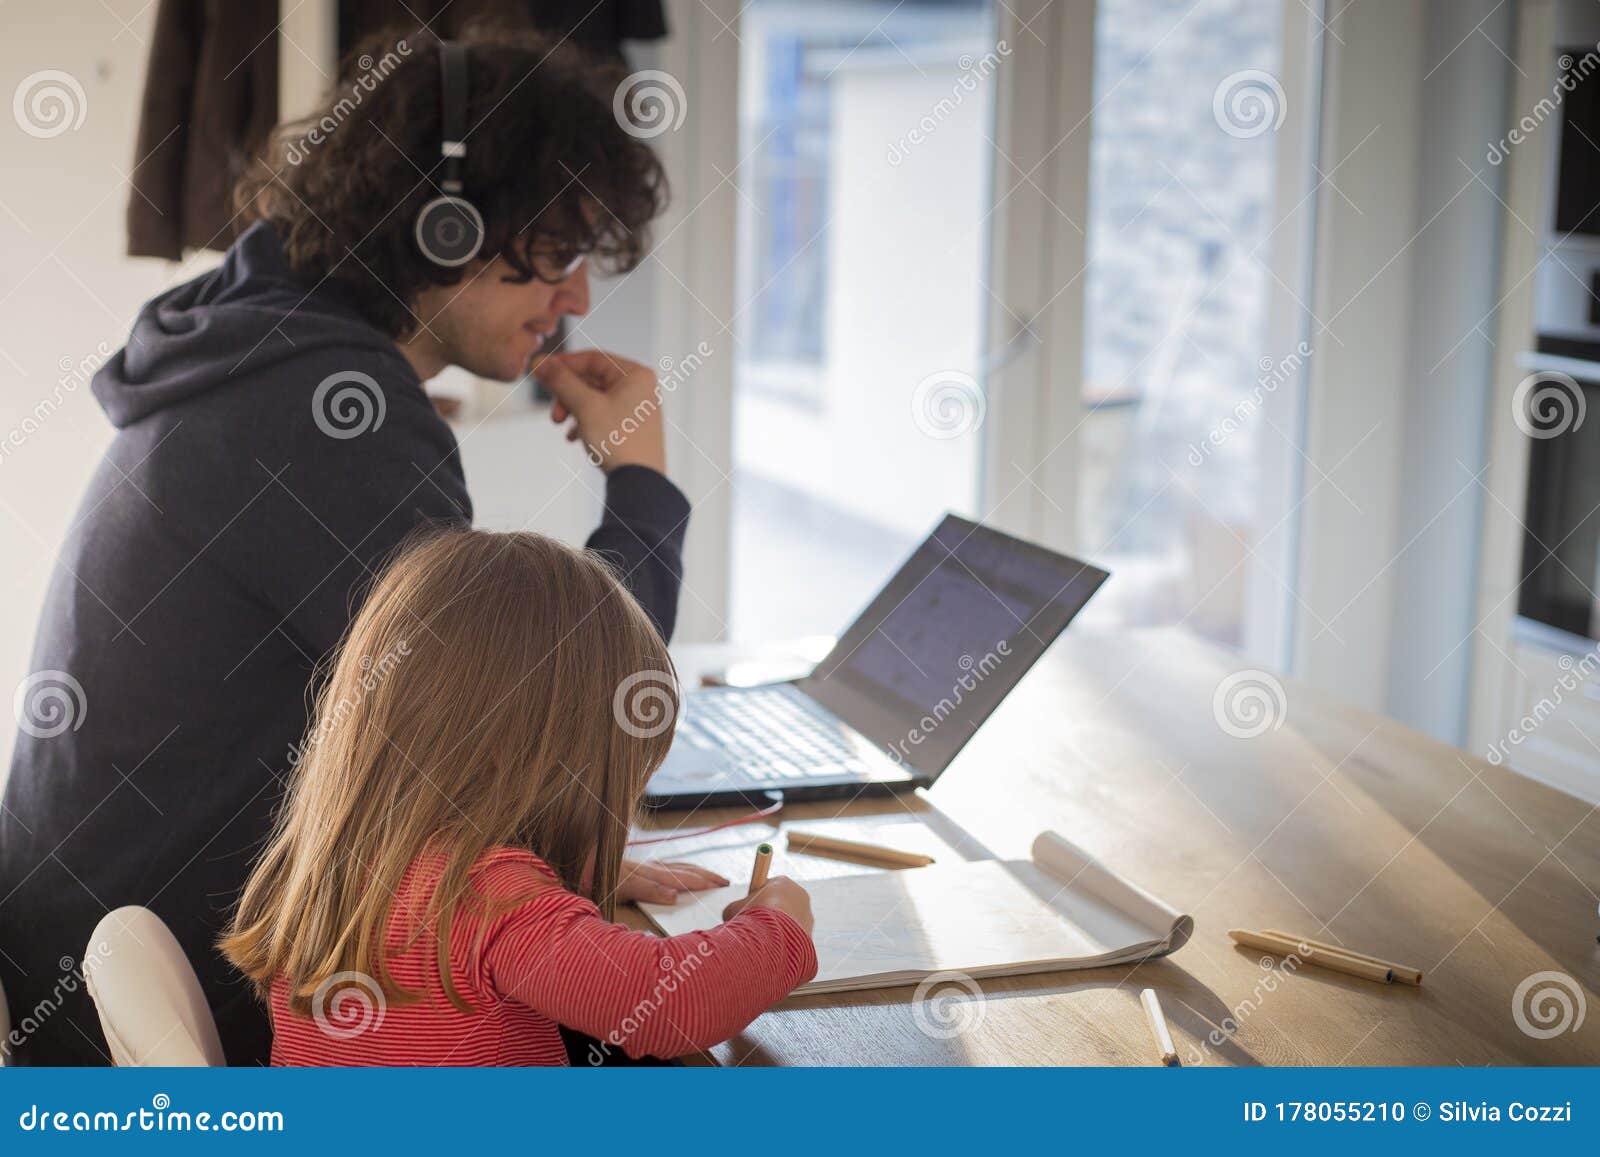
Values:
[(747, 819)]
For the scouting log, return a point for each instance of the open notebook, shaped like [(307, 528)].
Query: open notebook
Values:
[(1059, 910)]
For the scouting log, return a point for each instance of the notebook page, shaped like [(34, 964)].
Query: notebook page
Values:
[(1082, 881), (978, 917)]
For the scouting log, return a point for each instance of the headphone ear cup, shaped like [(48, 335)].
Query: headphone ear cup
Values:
[(449, 231)]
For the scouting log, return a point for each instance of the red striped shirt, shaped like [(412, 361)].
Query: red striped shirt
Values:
[(553, 960)]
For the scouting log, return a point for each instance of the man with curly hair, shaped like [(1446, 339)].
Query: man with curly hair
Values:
[(274, 445)]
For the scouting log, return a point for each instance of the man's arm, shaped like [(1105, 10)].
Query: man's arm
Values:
[(615, 405), (641, 536)]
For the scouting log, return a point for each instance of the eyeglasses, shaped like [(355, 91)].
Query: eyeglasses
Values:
[(542, 265)]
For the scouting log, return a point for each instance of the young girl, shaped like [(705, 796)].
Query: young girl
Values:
[(440, 886)]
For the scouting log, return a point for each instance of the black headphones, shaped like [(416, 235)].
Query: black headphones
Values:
[(449, 228)]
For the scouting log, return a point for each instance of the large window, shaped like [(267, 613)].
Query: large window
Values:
[(865, 141), (1176, 364), (875, 180)]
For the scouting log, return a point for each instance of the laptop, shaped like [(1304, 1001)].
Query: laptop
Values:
[(900, 693)]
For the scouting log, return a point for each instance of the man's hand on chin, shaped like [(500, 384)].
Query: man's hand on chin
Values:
[(614, 404)]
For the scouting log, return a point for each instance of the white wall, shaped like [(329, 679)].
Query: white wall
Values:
[(1406, 265), (64, 286), (1449, 380), (1372, 122)]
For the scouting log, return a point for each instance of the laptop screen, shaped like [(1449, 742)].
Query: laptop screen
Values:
[(947, 639)]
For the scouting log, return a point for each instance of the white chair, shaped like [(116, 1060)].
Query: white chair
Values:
[(148, 997)]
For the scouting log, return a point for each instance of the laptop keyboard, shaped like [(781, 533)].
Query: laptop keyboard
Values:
[(771, 732)]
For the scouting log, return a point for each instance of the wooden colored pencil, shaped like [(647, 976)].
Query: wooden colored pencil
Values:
[(834, 848), (1333, 961), (763, 865), (1403, 973)]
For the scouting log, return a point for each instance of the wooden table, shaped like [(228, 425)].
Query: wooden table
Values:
[(1338, 825)]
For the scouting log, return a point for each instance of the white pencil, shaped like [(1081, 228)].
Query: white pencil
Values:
[(1158, 1026)]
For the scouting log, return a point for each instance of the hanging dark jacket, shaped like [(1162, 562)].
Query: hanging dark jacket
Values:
[(211, 93)]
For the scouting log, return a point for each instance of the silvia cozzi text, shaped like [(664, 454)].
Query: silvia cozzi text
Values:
[(1446, 1112)]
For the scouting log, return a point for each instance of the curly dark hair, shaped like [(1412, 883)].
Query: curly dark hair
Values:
[(548, 165)]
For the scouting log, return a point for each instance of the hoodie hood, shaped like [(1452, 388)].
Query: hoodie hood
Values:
[(228, 326)]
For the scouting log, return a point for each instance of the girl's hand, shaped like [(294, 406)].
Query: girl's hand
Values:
[(660, 883), (781, 893)]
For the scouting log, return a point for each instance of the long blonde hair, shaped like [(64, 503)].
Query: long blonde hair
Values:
[(495, 690)]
